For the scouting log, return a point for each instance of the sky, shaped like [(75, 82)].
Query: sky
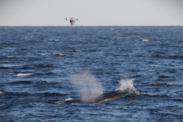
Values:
[(91, 12)]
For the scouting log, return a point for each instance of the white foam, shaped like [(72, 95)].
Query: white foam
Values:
[(127, 85), (9, 56), (68, 99), (1, 92), (23, 74), (145, 40)]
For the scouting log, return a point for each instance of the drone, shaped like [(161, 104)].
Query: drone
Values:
[(72, 20)]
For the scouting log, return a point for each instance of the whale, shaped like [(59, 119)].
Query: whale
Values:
[(101, 98)]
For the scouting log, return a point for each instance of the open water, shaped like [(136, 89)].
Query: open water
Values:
[(36, 62)]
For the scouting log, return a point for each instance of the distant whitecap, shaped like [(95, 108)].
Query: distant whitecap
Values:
[(145, 40), (23, 74), (9, 56), (1, 92), (68, 98)]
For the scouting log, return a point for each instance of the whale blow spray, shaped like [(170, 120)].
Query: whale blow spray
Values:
[(87, 85)]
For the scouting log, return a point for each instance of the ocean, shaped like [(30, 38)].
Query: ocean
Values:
[(37, 63)]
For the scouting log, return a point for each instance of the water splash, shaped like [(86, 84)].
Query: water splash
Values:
[(127, 85), (87, 84)]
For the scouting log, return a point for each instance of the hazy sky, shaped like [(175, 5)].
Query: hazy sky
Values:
[(91, 12)]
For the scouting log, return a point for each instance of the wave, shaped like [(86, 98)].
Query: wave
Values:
[(161, 84), (47, 94), (21, 82), (155, 95)]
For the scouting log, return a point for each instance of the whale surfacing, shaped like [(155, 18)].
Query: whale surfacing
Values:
[(102, 98)]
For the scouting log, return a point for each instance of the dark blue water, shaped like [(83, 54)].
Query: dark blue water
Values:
[(35, 64)]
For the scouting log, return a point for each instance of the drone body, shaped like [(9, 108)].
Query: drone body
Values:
[(72, 20)]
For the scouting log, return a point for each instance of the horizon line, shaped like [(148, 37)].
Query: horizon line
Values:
[(89, 25)]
